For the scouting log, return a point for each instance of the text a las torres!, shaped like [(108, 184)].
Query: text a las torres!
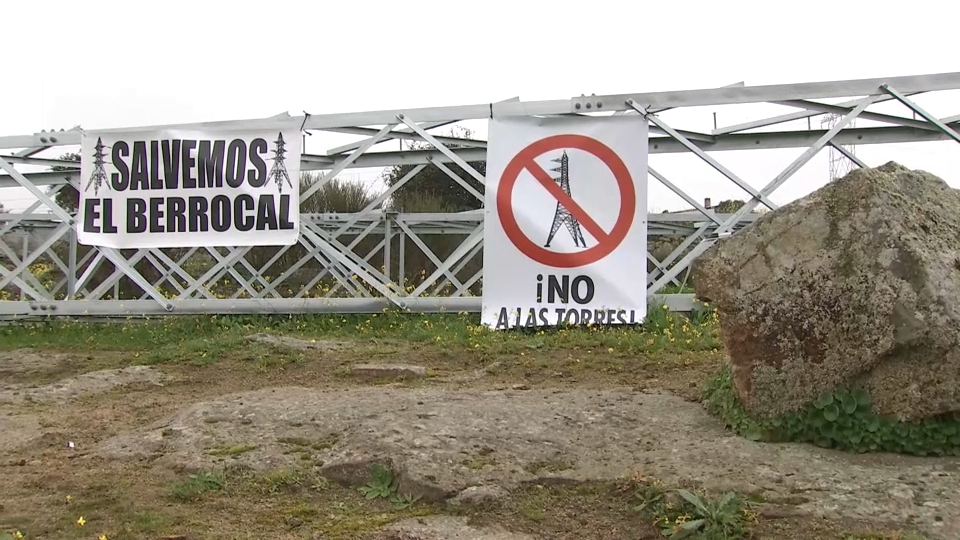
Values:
[(563, 289)]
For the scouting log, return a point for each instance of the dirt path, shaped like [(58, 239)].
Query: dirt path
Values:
[(487, 457)]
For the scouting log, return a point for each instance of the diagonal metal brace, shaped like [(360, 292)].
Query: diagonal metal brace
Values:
[(109, 253), (703, 155), (917, 109)]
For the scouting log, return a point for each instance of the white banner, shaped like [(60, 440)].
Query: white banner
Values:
[(179, 188), (565, 229)]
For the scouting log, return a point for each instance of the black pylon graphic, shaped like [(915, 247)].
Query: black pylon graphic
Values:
[(562, 216), (278, 171), (99, 174)]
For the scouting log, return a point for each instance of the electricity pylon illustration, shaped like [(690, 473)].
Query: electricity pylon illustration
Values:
[(278, 171), (99, 175), (562, 216)]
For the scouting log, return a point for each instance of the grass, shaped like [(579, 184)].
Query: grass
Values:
[(194, 486), (203, 339), (230, 504)]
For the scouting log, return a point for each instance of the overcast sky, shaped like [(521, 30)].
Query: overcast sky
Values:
[(123, 63)]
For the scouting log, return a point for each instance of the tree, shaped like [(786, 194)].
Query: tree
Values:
[(431, 183), (68, 197), (733, 205), (729, 206)]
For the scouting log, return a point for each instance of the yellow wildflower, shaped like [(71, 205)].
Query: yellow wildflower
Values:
[(81, 521)]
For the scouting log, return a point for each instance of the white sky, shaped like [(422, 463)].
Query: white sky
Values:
[(127, 63)]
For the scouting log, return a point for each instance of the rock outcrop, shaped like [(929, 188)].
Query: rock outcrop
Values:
[(471, 448), (856, 284)]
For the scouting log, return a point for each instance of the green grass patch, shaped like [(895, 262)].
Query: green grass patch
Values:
[(841, 419), (205, 339), (196, 485)]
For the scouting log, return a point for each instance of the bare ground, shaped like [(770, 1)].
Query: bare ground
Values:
[(510, 447)]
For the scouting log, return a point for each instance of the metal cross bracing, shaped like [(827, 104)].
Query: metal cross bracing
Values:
[(377, 258)]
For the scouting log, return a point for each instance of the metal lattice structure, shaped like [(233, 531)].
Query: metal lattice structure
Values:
[(359, 262), (840, 164)]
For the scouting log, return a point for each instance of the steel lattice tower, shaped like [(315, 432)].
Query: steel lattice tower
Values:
[(278, 171), (840, 165), (99, 175), (562, 216)]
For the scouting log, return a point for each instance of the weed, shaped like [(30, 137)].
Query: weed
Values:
[(840, 419), (681, 513), (276, 481), (384, 484), (710, 520), (196, 485)]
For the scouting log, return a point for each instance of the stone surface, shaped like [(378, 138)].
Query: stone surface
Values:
[(442, 442), (444, 528), (388, 371), (480, 495), (18, 430), (295, 343), (857, 284), (87, 383)]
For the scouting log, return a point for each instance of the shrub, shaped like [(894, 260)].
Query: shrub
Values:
[(841, 419)]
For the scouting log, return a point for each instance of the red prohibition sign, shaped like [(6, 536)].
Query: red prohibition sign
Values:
[(606, 242)]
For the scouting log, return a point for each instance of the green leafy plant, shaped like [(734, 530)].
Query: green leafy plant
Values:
[(681, 513), (709, 520), (384, 484), (703, 314), (841, 419)]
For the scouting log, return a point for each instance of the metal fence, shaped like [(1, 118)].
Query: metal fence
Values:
[(359, 262)]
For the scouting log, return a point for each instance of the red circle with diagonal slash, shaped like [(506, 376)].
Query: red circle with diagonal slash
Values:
[(606, 242)]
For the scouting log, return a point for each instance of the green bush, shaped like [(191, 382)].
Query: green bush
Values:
[(841, 419)]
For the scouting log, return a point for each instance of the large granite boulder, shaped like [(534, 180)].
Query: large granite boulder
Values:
[(857, 284)]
